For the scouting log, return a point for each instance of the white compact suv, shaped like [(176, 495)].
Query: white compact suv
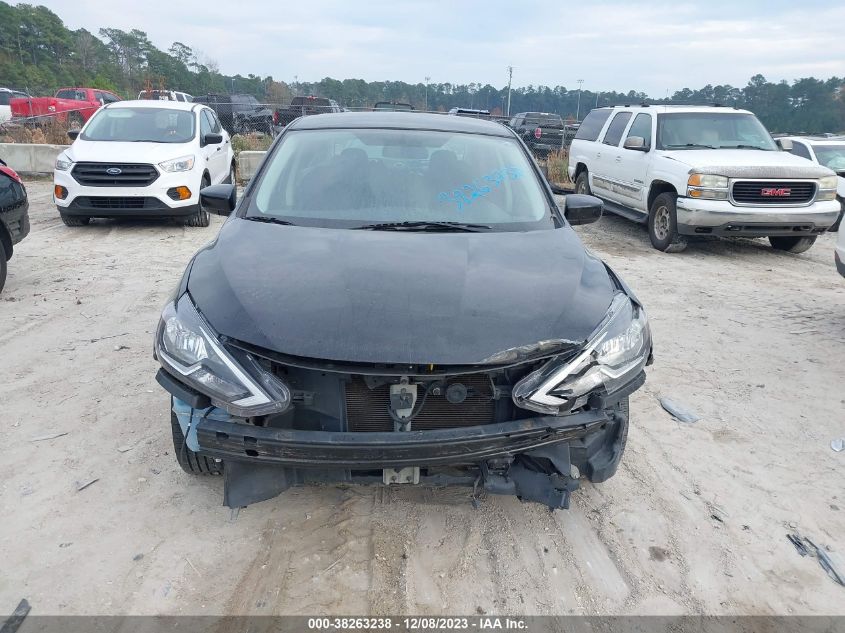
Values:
[(828, 151), (6, 94), (143, 159), (701, 170)]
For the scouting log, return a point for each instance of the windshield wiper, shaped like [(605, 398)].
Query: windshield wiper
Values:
[(424, 225), (269, 219), (691, 145), (741, 146)]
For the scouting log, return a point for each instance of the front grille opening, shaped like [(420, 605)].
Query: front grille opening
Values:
[(773, 192), (367, 409), (122, 174)]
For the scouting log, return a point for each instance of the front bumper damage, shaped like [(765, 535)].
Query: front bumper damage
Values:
[(537, 459)]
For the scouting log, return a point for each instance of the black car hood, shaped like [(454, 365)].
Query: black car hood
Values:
[(398, 297)]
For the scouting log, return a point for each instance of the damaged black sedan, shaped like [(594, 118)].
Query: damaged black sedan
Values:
[(398, 299)]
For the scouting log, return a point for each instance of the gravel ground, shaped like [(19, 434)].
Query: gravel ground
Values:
[(694, 522)]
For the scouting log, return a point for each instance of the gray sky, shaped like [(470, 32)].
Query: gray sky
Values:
[(612, 45)]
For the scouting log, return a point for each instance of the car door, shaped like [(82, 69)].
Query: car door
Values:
[(215, 153), (606, 154), (629, 168)]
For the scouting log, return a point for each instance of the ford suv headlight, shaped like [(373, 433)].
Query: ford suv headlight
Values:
[(63, 163), (187, 347), (183, 163), (827, 188), (614, 355), (707, 187)]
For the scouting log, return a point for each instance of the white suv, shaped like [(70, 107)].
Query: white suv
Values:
[(143, 159), (828, 151), (693, 171)]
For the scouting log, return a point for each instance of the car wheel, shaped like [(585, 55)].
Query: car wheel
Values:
[(582, 184), (233, 175), (74, 220), (75, 121), (791, 244), (3, 266), (190, 461), (835, 227), (201, 217), (663, 225)]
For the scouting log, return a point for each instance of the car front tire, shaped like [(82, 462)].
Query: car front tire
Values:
[(74, 220), (191, 462), (582, 184), (663, 224), (791, 244), (201, 218), (3, 266)]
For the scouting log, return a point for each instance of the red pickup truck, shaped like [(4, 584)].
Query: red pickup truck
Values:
[(72, 105)]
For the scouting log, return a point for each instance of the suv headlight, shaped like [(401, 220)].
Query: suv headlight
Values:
[(707, 187), (827, 188), (183, 163), (187, 348), (63, 163), (614, 354)]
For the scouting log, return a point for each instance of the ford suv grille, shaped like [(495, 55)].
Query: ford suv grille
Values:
[(774, 192), (114, 174)]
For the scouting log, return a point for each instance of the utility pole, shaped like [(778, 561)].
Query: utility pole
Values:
[(597, 99), (427, 79), (510, 77), (578, 111)]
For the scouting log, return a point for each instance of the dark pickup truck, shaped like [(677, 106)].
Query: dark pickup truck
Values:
[(542, 132), (239, 113), (304, 106)]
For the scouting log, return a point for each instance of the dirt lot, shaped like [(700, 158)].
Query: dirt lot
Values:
[(694, 522)]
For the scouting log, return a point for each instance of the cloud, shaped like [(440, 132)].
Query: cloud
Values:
[(612, 45)]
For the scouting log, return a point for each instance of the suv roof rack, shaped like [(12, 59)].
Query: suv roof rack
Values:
[(677, 104)]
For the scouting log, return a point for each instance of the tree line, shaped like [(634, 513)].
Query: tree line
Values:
[(39, 54)]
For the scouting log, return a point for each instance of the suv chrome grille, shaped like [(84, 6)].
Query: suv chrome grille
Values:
[(130, 175), (786, 193)]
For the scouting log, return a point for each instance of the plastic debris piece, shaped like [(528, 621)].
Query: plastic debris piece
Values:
[(838, 445), (84, 485), (679, 411), (14, 621), (51, 436)]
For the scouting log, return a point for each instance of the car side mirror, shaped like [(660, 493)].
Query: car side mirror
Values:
[(581, 209), (219, 199), (636, 143), (72, 134), (785, 144), (212, 139)]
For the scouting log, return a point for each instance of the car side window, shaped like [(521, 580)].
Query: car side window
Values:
[(616, 128), (641, 127), (205, 124), (799, 149), (215, 122), (592, 124)]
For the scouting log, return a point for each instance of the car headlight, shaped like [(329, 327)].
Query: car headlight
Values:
[(183, 163), (187, 347), (63, 163), (707, 187), (614, 354), (827, 188)]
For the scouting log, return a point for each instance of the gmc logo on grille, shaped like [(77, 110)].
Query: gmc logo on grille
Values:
[(776, 192)]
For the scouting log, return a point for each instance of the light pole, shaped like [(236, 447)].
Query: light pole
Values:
[(597, 99), (427, 79), (510, 77), (578, 110)]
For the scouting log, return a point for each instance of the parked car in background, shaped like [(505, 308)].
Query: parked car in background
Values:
[(239, 113), (73, 106), (829, 151), (304, 106), (143, 159), (392, 106), (14, 216), (478, 114), (692, 171), (502, 357), (165, 95), (541, 131), (6, 95)]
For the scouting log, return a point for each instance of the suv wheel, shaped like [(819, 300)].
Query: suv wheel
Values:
[(74, 220), (836, 225), (190, 461), (201, 217), (791, 244), (582, 183), (75, 121), (2, 266), (663, 225), (233, 175)]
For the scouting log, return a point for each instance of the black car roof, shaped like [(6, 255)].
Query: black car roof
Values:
[(402, 121)]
